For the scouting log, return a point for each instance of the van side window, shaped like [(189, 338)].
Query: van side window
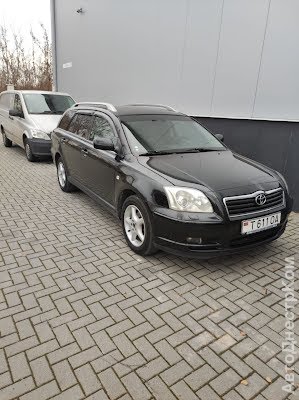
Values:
[(17, 103), (65, 120), (6, 101), (101, 128), (3, 100)]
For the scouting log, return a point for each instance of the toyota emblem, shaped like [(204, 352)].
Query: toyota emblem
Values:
[(260, 199)]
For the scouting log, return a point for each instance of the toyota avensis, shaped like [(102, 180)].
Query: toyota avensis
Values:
[(173, 184)]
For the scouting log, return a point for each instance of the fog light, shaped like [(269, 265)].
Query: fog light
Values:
[(194, 240)]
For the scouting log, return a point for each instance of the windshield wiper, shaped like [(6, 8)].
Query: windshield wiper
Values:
[(201, 150), (179, 151), (49, 112), (158, 152)]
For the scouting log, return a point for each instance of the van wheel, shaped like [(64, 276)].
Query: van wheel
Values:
[(6, 141), (137, 226), (62, 177), (30, 156)]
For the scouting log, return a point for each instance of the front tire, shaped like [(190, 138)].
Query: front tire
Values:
[(137, 226), (62, 177), (6, 141), (30, 156)]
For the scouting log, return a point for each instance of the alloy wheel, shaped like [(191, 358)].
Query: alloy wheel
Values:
[(134, 225), (61, 174)]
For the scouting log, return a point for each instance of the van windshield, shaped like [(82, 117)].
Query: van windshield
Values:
[(47, 103)]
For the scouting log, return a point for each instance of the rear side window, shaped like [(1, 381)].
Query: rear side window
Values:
[(81, 125), (65, 120)]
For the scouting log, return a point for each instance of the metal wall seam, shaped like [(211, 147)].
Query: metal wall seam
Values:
[(54, 52)]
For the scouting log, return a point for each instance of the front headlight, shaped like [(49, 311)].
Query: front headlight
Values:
[(37, 134), (187, 199), (283, 180)]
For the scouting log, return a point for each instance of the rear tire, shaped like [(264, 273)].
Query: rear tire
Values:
[(62, 177), (137, 226), (30, 156), (6, 141)]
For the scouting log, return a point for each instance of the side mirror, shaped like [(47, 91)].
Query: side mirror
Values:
[(103, 143), (219, 137), (16, 113)]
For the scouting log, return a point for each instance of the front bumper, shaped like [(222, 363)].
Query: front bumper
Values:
[(209, 236), (40, 147)]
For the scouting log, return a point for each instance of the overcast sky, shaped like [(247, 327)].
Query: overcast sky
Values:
[(20, 15)]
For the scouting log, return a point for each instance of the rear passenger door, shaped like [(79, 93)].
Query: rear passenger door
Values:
[(73, 142)]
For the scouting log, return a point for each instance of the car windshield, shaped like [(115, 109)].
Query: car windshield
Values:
[(47, 103), (156, 134)]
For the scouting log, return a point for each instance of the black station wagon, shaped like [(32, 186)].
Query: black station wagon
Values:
[(174, 185)]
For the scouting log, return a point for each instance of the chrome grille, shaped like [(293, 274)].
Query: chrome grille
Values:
[(246, 204)]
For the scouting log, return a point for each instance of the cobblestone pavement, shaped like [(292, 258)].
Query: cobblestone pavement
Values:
[(82, 317)]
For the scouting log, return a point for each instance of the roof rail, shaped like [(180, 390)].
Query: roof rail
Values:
[(107, 106), (153, 105)]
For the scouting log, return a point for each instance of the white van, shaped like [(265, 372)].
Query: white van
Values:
[(27, 118)]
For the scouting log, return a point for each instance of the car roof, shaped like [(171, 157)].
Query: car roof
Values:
[(34, 92), (127, 110), (143, 110)]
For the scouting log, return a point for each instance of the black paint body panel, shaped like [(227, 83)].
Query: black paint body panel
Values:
[(273, 143)]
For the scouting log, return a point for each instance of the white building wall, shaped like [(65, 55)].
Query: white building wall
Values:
[(227, 58)]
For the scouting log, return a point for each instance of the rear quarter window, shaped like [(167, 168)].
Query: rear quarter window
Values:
[(74, 124), (65, 120)]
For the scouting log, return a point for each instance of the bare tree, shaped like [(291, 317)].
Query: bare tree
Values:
[(25, 68)]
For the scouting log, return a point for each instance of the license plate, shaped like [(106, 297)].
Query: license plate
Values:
[(259, 224)]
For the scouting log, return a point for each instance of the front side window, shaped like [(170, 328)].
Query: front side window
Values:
[(47, 103), (167, 133), (81, 125), (18, 104), (101, 128)]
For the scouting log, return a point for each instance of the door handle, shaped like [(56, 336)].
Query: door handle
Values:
[(10, 117), (84, 152)]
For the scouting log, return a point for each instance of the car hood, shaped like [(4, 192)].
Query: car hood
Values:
[(46, 123), (217, 170)]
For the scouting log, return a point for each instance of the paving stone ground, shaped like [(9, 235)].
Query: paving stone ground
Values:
[(83, 317)]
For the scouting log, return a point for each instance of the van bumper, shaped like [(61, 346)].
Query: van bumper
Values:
[(40, 147)]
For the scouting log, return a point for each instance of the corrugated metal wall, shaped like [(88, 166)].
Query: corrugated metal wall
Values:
[(227, 58), (275, 144)]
